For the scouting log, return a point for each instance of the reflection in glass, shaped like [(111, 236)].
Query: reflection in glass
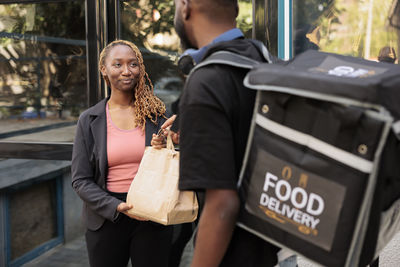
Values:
[(358, 28), (266, 23), (245, 17), (42, 64)]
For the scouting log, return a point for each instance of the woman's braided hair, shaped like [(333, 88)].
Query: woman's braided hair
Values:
[(145, 103)]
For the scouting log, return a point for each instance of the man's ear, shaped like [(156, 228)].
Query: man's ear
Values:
[(186, 9), (236, 10)]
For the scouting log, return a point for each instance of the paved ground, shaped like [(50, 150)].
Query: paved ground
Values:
[(74, 254)]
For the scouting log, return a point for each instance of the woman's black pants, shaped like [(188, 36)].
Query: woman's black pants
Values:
[(145, 243)]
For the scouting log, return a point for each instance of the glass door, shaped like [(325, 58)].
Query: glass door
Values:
[(368, 29)]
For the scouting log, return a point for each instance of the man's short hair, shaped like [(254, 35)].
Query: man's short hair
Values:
[(218, 9)]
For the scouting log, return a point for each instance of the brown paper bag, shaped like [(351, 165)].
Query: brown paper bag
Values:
[(154, 192)]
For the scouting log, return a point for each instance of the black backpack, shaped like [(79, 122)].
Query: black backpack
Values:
[(321, 174)]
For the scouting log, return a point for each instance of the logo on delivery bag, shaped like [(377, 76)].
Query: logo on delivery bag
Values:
[(299, 202), (341, 68)]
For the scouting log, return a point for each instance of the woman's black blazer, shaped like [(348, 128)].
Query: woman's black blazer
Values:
[(89, 165)]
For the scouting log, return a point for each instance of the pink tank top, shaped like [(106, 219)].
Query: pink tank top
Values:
[(125, 150)]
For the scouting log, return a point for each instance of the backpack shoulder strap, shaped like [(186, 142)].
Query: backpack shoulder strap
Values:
[(227, 58), (235, 60), (264, 51)]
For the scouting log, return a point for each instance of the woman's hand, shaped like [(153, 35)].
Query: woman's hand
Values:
[(158, 141), (124, 207)]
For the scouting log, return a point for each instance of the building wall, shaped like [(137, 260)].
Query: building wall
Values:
[(21, 178)]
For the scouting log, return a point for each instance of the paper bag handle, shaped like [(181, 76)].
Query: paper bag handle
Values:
[(170, 144)]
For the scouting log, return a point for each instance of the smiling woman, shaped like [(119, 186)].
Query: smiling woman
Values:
[(108, 147), (121, 72), (122, 67)]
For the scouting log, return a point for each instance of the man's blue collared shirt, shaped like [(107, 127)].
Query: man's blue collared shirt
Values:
[(197, 54)]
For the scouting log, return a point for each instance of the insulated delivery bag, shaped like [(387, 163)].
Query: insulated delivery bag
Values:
[(321, 174)]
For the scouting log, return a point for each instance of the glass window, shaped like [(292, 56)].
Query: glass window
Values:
[(42, 70), (360, 28)]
